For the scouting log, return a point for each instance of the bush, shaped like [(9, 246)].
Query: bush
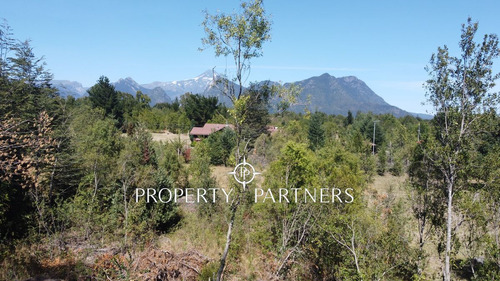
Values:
[(220, 146)]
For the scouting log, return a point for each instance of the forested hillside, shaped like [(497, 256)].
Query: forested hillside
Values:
[(87, 185)]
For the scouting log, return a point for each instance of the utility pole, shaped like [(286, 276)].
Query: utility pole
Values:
[(373, 144)]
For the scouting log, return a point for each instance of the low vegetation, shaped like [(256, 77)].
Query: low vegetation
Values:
[(356, 197)]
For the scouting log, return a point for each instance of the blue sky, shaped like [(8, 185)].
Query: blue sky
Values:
[(387, 44)]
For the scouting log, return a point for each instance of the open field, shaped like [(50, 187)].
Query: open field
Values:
[(168, 136)]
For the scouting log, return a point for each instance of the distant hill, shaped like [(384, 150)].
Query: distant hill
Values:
[(69, 88), (128, 85), (327, 93), (340, 95)]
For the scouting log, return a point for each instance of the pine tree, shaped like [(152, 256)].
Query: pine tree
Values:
[(316, 133), (349, 119), (104, 95)]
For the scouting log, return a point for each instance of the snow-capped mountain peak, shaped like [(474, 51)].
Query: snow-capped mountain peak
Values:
[(158, 91), (197, 85)]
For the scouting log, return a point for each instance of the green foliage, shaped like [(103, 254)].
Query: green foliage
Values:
[(382, 161), (332, 131), (295, 163), (316, 134), (201, 177), (460, 90), (293, 169), (349, 119), (340, 168), (164, 216), (153, 119), (29, 114), (287, 96), (104, 95), (175, 105), (87, 185), (367, 125), (24, 84), (256, 115), (26, 67), (296, 130), (208, 272), (240, 36), (220, 145), (199, 109), (95, 138)]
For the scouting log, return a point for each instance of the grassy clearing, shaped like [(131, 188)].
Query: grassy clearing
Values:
[(168, 136)]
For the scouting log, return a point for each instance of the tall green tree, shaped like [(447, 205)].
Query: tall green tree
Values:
[(25, 86), (289, 223), (316, 134), (198, 108), (27, 67), (28, 118), (349, 119), (104, 95), (257, 112), (240, 36), (7, 42), (97, 144), (459, 88)]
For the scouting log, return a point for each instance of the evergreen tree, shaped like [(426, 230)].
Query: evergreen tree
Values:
[(349, 119), (221, 145), (27, 67), (25, 86), (104, 95), (316, 133), (6, 45), (198, 108), (257, 113)]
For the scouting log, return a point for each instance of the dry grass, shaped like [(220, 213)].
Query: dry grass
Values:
[(222, 176), (208, 237), (389, 187), (384, 185), (168, 136), (196, 233)]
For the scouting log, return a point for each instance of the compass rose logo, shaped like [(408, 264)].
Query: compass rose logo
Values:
[(244, 173)]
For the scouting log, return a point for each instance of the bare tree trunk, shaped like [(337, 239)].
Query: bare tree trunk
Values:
[(96, 184), (51, 182), (447, 273), (222, 266), (295, 227), (352, 248), (125, 207)]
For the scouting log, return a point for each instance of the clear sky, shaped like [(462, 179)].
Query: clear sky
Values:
[(387, 44)]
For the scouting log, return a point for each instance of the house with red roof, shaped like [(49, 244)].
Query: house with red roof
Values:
[(198, 133)]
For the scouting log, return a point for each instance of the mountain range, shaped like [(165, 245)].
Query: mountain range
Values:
[(340, 95), (323, 93)]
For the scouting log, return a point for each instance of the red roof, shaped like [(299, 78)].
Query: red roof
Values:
[(208, 129)]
